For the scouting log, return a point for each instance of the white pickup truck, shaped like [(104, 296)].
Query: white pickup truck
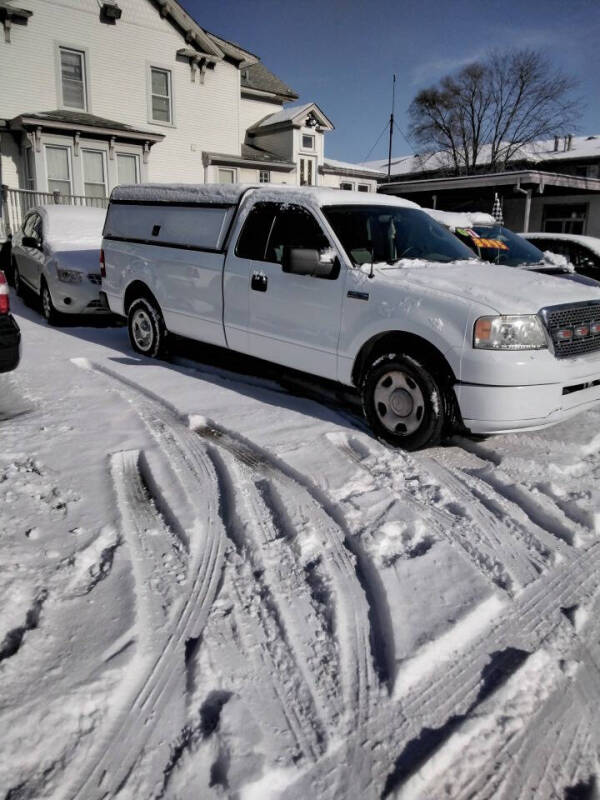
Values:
[(364, 289)]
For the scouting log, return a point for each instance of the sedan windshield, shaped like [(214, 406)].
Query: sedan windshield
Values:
[(500, 245), (391, 233)]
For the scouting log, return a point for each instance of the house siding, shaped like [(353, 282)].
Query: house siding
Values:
[(206, 116)]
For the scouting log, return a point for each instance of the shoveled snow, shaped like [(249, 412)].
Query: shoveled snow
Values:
[(216, 583)]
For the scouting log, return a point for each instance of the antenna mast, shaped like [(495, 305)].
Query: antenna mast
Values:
[(391, 128)]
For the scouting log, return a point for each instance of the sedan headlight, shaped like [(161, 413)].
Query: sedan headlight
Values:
[(69, 275), (509, 333)]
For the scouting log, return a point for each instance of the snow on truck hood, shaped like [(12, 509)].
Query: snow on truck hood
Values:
[(506, 290)]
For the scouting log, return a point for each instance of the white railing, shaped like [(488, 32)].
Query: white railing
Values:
[(15, 203)]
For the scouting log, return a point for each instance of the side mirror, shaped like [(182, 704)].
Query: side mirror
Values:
[(31, 241), (316, 263)]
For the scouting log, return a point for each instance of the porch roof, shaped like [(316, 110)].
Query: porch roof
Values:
[(73, 121)]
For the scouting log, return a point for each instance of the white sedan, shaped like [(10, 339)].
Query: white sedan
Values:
[(56, 255)]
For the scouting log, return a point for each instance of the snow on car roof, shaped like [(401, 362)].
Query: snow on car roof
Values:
[(460, 219), (231, 194), (67, 226), (588, 241)]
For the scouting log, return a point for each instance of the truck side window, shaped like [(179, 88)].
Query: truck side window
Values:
[(294, 227), (252, 242)]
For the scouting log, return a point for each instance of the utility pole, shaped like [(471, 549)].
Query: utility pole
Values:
[(391, 128)]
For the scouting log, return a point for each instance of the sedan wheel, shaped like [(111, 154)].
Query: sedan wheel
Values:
[(48, 311)]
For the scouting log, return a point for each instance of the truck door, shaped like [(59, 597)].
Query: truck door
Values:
[(291, 319)]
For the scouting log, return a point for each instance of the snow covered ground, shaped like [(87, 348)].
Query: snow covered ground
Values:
[(215, 584)]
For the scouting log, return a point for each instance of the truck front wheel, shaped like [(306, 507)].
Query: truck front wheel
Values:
[(404, 402), (147, 331)]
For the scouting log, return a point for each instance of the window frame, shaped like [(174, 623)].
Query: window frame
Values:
[(69, 166), (136, 158), (262, 172), (363, 187), (312, 137), (101, 153), (151, 65), (84, 53), (346, 186), (233, 171)]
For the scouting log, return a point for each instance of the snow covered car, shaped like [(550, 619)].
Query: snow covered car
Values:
[(56, 255), (10, 335), (499, 245), (581, 251), (367, 290)]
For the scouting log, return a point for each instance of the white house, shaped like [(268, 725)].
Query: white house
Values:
[(96, 93)]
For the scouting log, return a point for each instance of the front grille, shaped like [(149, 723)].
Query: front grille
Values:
[(568, 317), (95, 277)]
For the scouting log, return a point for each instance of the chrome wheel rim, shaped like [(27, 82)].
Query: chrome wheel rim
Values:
[(399, 403), (141, 328), (46, 303)]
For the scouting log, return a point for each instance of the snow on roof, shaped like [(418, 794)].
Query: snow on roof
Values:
[(231, 193), (68, 226), (208, 193), (332, 162), (592, 242), (460, 219), (537, 152)]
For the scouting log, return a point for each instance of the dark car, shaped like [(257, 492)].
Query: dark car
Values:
[(10, 335), (581, 251)]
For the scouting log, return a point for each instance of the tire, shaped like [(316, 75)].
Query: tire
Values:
[(16, 278), (404, 402), (147, 332), (49, 313)]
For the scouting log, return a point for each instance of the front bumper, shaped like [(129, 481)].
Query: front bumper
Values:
[(77, 298), (10, 343), (505, 409)]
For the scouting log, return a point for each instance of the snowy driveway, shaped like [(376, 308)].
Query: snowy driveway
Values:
[(212, 587)]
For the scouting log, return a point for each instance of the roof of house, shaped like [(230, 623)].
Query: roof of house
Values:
[(294, 115), (78, 120), (260, 154), (535, 153), (348, 168), (258, 77)]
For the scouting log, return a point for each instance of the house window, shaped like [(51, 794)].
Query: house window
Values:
[(161, 95), (265, 176), (308, 141), (73, 78), (348, 186), (127, 168), (58, 169), (363, 187), (564, 218), (306, 172), (94, 181), (226, 176)]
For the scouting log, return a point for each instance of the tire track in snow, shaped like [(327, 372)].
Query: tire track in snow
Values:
[(450, 687), (309, 516), (149, 691), (480, 542)]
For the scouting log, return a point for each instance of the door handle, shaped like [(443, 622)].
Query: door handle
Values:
[(259, 282)]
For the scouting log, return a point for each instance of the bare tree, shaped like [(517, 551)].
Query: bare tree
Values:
[(491, 109)]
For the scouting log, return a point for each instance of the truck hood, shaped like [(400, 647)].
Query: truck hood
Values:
[(504, 289)]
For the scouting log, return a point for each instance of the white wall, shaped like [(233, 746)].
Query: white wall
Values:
[(206, 117), (252, 111)]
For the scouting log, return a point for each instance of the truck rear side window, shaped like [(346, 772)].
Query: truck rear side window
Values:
[(272, 227), (252, 242)]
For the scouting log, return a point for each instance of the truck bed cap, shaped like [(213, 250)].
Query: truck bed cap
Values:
[(231, 193)]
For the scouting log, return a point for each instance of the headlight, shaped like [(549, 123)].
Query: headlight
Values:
[(509, 333), (69, 275)]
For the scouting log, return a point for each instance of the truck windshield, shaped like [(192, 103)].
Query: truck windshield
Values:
[(389, 234), (500, 245)]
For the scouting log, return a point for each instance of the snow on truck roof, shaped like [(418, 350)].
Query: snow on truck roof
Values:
[(231, 194)]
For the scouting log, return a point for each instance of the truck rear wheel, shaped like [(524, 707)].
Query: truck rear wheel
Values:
[(147, 332), (404, 402)]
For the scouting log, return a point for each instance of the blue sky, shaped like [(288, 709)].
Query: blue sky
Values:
[(342, 55)]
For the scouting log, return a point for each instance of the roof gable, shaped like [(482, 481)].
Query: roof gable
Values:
[(295, 117)]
